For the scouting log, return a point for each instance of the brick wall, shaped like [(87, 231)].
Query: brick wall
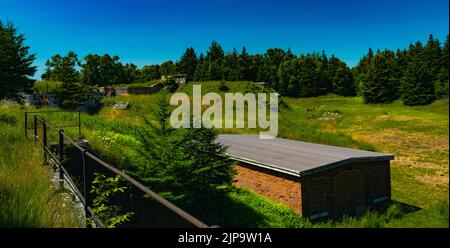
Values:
[(272, 185)]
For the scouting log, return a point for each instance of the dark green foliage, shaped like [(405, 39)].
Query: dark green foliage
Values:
[(62, 68), (361, 71), (231, 67), (223, 86), (417, 84), (170, 84), (104, 190), (188, 63), (382, 83), (8, 119), (180, 162), (148, 73), (202, 69), (245, 66), (167, 68), (343, 83), (312, 75), (130, 73), (90, 70), (272, 60), (16, 67), (210, 170), (71, 95), (214, 60), (441, 85)]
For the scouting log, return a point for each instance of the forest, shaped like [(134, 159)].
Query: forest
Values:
[(418, 75)]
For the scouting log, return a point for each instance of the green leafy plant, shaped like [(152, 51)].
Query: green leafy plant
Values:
[(105, 190)]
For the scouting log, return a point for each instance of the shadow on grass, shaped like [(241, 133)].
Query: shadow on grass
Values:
[(213, 209)]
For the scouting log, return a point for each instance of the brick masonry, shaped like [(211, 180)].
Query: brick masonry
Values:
[(271, 184), (361, 184)]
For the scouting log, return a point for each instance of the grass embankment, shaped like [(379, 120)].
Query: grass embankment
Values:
[(27, 195), (418, 136)]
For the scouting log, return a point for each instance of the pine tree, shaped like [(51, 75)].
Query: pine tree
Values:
[(432, 55), (244, 65), (167, 68), (201, 71), (188, 63), (417, 83), (16, 67), (441, 85), (360, 71), (210, 170), (343, 83), (382, 84), (214, 58), (164, 169), (180, 162), (62, 68), (231, 70), (270, 64)]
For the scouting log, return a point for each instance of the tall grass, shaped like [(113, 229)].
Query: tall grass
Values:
[(28, 198)]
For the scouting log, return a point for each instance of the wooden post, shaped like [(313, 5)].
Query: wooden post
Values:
[(26, 124), (61, 158), (44, 139)]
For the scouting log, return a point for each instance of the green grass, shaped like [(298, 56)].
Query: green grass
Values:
[(27, 196), (418, 136), (136, 85), (47, 86)]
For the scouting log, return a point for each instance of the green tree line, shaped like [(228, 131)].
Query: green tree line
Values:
[(418, 75)]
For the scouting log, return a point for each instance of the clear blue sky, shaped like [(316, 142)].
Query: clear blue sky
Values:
[(147, 32)]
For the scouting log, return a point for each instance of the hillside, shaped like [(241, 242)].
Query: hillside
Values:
[(418, 136)]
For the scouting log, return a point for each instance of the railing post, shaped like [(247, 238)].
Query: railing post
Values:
[(79, 124), (86, 197), (26, 124), (35, 129), (61, 158), (44, 139)]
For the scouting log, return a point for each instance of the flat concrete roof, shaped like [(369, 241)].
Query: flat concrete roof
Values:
[(293, 157)]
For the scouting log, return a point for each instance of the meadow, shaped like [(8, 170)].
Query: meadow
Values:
[(418, 136)]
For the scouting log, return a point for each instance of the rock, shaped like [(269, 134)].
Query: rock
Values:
[(121, 105)]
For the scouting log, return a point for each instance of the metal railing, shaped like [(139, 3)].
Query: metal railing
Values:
[(41, 129)]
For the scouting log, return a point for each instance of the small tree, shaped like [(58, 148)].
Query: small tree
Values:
[(210, 170), (105, 189), (178, 162), (165, 164), (223, 86)]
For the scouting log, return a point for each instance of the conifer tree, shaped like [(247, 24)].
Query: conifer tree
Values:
[(417, 83), (441, 85), (201, 71), (214, 58), (382, 84), (16, 67), (188, 63)]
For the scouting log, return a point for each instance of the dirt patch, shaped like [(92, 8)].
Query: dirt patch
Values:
[(433, 180)]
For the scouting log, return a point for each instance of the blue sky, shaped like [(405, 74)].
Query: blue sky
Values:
[(147, 32)]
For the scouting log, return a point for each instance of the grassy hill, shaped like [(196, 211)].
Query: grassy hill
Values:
[(418, 136)]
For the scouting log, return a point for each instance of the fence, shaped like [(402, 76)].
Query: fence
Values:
[(54, 140)]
